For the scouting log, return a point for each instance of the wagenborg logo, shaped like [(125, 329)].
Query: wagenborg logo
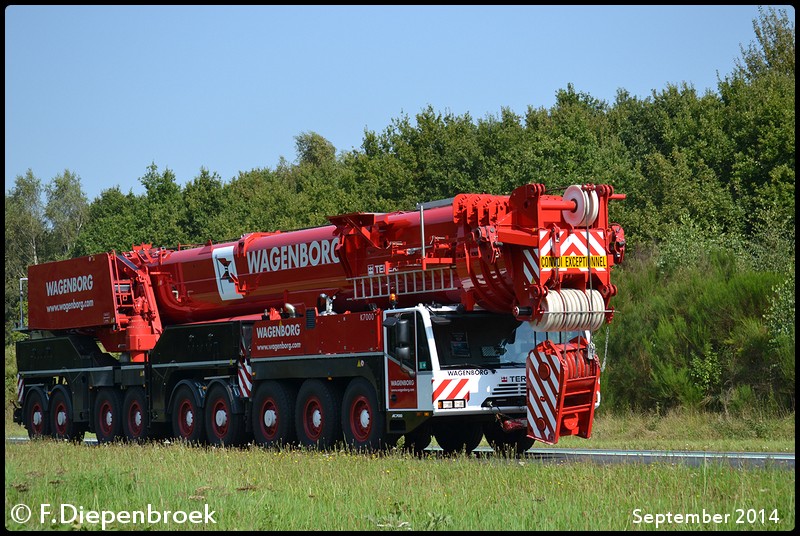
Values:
[(69, 284), (281, 330), (225, 268), (292, 256)]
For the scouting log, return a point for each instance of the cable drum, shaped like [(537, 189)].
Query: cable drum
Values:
[(571, 310), (598, 310), (581, 304), (572, 315), (587, 206), (553, 307), (594, 207)]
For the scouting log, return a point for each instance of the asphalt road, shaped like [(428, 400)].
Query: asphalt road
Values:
[(599, 456)]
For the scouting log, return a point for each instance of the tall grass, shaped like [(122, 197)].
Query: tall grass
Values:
[(697, 331), (755, 431), (262, 489)]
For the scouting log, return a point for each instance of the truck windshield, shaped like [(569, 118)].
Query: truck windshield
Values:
[(482, 340)]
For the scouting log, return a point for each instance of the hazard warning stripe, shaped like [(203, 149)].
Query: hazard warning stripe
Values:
[(245, 378), (578, 244), (543, 409), (458, 389), (245, 375), (545, 243), (20, 388), (595, 243), (530, 265), (573, 244), (543, 398)]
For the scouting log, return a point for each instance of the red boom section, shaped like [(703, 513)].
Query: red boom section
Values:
[(105, 294), (74, 293), (544, 258), (258, 272)]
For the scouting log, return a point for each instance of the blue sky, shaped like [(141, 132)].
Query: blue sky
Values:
[(106, 91)]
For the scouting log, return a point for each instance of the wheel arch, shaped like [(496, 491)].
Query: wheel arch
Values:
[(59, 388), (42, 390), (234, 394), (197, 388)]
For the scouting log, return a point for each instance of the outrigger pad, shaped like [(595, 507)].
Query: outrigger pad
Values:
[(562, 384)]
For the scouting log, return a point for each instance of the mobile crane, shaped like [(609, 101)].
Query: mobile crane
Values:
[(465, 318)]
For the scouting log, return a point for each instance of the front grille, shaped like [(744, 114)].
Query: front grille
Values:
[(509, 389)]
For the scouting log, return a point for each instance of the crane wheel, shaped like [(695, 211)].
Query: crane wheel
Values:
[(136, 423), (187, 416), (62, 424), (34, 415), (363, 423), (273, 414), (223, 426), (107, 415), (318, 414)]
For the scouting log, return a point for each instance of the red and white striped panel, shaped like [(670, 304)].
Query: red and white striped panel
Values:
[(245, 371), (544, 393), (580, 244), (546, 243), (245, 377), (451, 389), (530, 264), (20, 388), (577, 244)]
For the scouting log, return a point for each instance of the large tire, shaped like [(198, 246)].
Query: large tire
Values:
[(318, 414), (418, 439), (273, 414), (35, 417), (62, 423), (187, 416), (363, 424), (223, 426), (513, 443), (456, 436), (136, 422), (108, 415)]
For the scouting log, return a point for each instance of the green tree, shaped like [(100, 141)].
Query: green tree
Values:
[(203, 217), (25, 237), (501, 143), (25, 220), (774, 49), (113, 223), (66, 212), (380, 173), (161, 211), (760, 119), (314, 149)]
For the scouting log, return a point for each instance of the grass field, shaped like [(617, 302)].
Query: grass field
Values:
[(253, 488), (91, 487)]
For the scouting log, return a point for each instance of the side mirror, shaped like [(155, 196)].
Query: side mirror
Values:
[(403, 353), (403, 332)]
